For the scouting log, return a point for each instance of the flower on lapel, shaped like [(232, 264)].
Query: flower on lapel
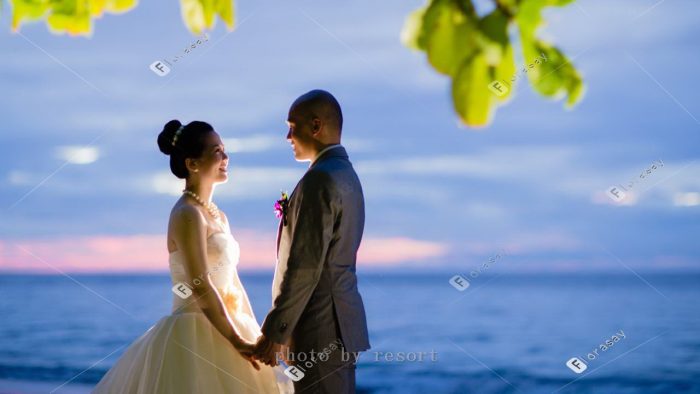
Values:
[(281, 207)]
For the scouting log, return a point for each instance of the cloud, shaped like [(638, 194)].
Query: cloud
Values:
[(554, 168), (148, 253), (85, 254), (78, 154), (673, 184), (532, 243), (690, 199), (393, 251), (502, 162), (20, 178)]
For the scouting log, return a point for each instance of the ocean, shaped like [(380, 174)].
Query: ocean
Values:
[(507, 333)]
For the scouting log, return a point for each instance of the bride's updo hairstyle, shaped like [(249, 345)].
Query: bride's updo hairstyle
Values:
[(183, 142)]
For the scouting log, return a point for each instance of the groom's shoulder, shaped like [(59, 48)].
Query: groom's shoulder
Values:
[(323, 176), (318, 175)]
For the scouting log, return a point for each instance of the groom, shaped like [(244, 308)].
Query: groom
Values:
[(317, 310)]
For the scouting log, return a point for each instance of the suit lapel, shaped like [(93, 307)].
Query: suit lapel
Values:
[(279, 235), (337, 151)]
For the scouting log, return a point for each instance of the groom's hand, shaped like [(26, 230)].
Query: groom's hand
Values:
[(266, 351)]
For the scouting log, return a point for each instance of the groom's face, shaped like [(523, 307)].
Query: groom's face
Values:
[(301, 135)]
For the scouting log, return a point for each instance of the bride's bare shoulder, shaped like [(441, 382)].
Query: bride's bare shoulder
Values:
[(224, 218), (186, 214)]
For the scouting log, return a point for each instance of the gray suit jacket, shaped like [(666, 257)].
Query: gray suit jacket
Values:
[(315, 295)]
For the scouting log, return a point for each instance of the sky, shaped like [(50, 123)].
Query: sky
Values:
[(85, 189)]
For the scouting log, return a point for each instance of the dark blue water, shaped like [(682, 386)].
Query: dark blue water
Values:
[(504, 334)]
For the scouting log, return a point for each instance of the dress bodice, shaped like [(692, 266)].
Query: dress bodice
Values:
[(223, 253)]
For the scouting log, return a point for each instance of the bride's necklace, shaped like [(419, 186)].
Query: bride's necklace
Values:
[(211, 207)]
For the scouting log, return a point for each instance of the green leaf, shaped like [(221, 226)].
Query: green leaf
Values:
[(73, 24), (66, 16), (505, 73), (555, 76), (493, 39), (576, 89), (451, 36), (470, 94), (25, 11), (226, 12), (412, 33), (200, 15), (494, 26), (479, 56), (559, 3)]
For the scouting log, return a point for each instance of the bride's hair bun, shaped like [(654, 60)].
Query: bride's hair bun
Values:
[(183, 142), (165, 138)]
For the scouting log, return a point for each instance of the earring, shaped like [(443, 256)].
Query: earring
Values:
[(196, 170)]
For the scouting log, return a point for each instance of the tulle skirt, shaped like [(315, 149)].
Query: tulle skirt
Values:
[(184, 353)]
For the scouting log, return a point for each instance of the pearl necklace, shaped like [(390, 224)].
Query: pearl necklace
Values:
[(211, 207)]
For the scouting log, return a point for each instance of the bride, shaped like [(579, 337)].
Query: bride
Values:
[(206, 344)]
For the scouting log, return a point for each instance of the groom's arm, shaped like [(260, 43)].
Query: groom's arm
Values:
[(311, 234)]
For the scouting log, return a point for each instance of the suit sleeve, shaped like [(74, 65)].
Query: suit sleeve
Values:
[(311, 233)]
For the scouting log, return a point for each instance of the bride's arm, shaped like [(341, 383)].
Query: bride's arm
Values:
[(191, 237)]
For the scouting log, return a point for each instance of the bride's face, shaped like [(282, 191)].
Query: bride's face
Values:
[(213, 165)]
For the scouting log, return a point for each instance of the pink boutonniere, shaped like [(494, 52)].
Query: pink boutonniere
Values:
[(281, 207)]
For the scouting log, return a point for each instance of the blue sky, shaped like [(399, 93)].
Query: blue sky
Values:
[(437, 194)]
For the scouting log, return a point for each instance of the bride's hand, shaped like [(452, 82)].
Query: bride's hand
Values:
[(246, 350)]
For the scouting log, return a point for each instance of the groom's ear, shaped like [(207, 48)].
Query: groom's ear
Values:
[(316, 125)]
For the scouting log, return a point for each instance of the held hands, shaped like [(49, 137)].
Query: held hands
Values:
[(246, 350), (266, 351)]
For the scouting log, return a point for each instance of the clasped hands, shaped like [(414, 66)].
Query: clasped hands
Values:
[(264, 351)]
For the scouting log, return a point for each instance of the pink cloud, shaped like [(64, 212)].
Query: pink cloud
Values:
[(148, 252), (393, 251), (85, 254)]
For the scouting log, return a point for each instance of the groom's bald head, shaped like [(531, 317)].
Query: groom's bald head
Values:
[(320, 106), (315, 121)]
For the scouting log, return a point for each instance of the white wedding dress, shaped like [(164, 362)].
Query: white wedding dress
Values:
[(184, 353)]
